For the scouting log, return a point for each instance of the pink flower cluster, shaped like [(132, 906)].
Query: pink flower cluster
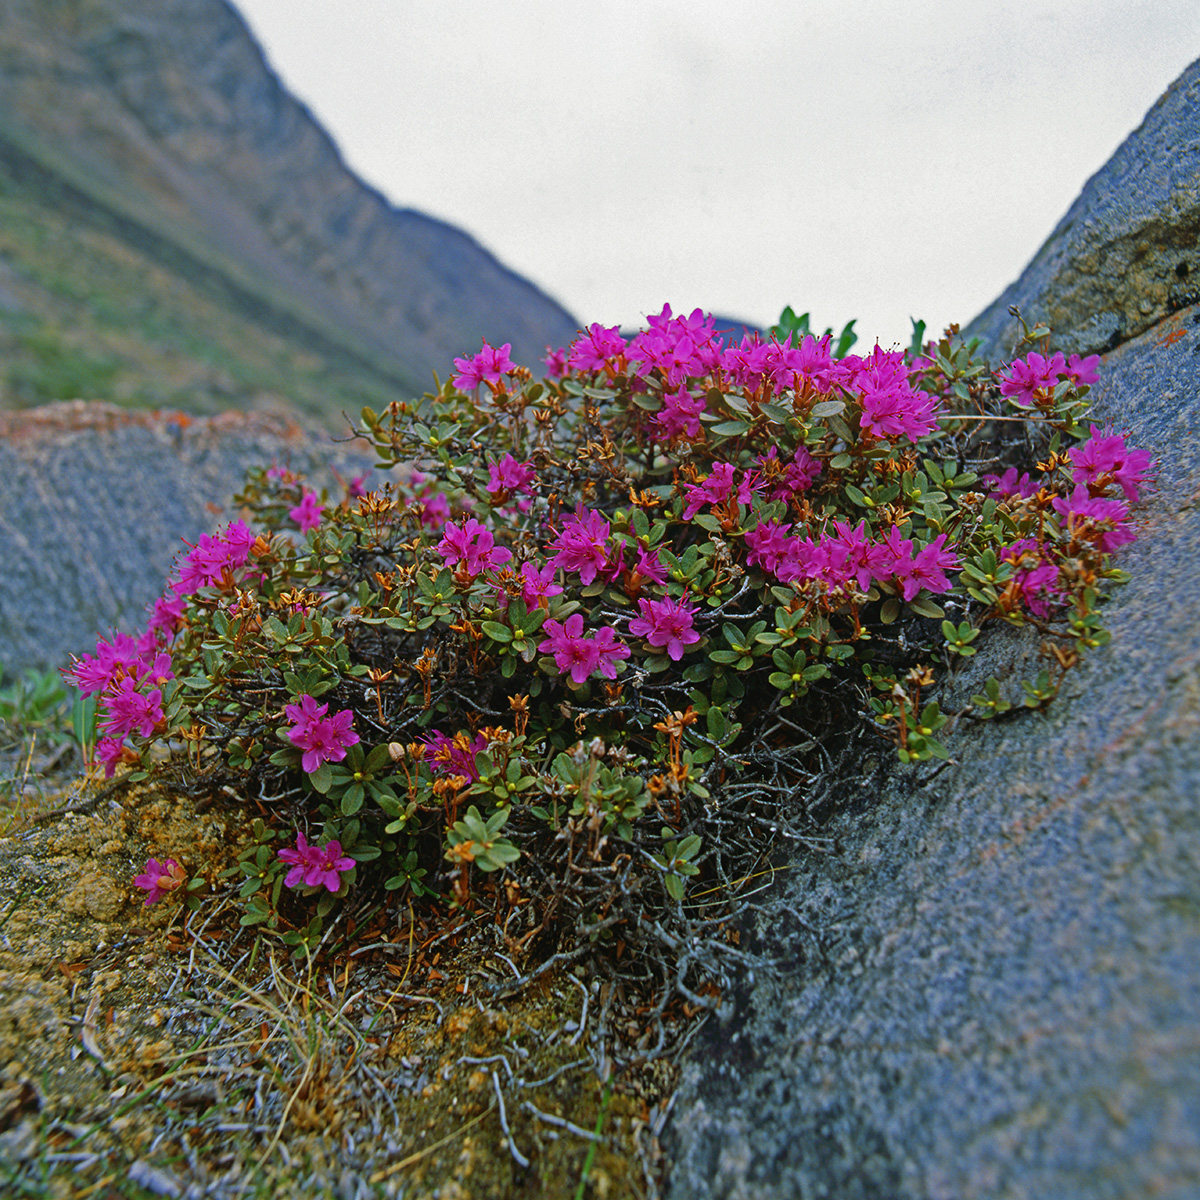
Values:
[(1035, 575), (582, 546), (128, 672), (582, 656), (717, 488), (509, 475), (488, 366), (323, 739), (473, 545), (678, 351), (214, 560), (891, 407), (1035, 376), (850, 557), (315, 866), (1088, 513), (1104, 459)]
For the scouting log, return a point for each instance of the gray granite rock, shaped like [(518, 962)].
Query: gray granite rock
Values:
[(95, 502), (1127, 253), (996, 987)]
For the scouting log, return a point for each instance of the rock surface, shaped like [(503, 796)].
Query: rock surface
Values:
[(1127, 253), (95, 502), (996, 974)]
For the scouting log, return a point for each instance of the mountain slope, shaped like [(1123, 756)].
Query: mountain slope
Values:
[(175, 228)]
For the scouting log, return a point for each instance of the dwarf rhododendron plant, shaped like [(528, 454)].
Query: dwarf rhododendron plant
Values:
[(596, 634)]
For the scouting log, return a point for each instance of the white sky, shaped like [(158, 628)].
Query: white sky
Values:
[(857, 158)]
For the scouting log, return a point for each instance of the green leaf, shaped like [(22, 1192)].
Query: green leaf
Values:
[(829, 408), (731, 428), (926, 608), (321, 778)]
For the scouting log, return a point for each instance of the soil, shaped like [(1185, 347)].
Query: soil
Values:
[(151, 1051)]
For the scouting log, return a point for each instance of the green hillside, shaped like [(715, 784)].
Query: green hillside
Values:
[(95, 305)]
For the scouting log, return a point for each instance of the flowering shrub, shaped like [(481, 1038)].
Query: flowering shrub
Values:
[(587, 639)]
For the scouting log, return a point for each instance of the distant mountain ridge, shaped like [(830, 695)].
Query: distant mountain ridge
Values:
[(152, 138)]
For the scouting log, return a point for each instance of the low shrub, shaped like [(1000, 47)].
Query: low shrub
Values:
[(595, 638)]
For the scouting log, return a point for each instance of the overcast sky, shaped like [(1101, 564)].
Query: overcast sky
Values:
[(856, 158)]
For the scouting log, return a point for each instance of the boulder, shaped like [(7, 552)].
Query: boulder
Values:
[(989, 987), (1127, 253), (95, 502)]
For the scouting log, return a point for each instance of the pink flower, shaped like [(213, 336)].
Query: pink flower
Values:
[(168, 613), (1009, 484), (487, 366), (582, 546), (214, 556), (509, 475), (929, 567), (665, 624), (573, 653), (159, 879), (1083, 370), (864, 560), (128, 710), (716, 489), (745, 364), (1105, 458), (313, 866), (538, 584), (473, 545), (925, 570), (679, 348), (110, 751), (239, 541), (650, 566), (595, 347), (680, 414), (1034, 376), (307, 514), (456, 755), (767, 545), (1035, 575), (891, 408), (323, 739), (803, 560), (608, 652), (1095, 519), (112, 660), (556, 362)]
